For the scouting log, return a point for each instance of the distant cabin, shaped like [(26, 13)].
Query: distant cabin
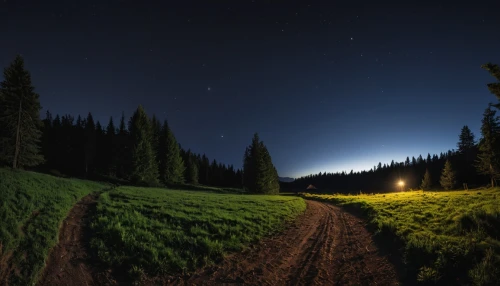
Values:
[(311, 187)]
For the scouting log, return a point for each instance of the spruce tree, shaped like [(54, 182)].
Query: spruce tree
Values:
[(426, 181), (20, 118), (488, 162), (191, 169), (110, 154), (494, 88), (171, 165), (90, 147), (466, 140), (156, 128), (144, 168), (123, 145), (259, 174), (447, 176)]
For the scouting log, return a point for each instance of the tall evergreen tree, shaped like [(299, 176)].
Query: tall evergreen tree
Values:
[(259, 173), (466, 140), (420, 160), (19, 118), (494, 88), (204, 168), (110, 150), (426, 181), (156, 128), (123, 146), (191, 172), (90, 147), (447, 176), (170, 161), (488, 162), (144, 168)]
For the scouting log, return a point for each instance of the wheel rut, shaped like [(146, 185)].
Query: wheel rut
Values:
[(324, 246)]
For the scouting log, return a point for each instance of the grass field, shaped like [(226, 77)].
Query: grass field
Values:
[(450, 237), (158, 231), (32, 206)]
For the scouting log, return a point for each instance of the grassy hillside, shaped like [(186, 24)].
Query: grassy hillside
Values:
[(158, 231), (32, 206), (450, 237)]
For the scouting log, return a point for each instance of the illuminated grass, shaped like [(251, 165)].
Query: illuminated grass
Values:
[(159, 231), (32, 207), (443, 236)]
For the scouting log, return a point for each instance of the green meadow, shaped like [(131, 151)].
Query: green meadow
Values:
[(32, 207), (152, 232), (446, 237)]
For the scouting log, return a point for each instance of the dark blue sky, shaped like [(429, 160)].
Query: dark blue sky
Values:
[(329, 87)]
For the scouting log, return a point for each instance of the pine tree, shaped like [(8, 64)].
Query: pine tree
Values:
[(144, 168), (90, 143), (488, 162), (171, 165), (259, 174), (123, 146), (466, 140), (19, 118), (101, 152), (494, 88), (203, 172), (426, 181), (110, 153), (448, 176), (156, 127), (47, 140), (191, 173), (420, 160)]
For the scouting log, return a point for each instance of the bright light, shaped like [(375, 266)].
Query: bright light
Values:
[(401, 183)]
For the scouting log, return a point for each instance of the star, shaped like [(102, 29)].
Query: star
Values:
[(352, 38), (209, 88)]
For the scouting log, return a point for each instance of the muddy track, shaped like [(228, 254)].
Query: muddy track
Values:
[(69, 262), (325, 246)]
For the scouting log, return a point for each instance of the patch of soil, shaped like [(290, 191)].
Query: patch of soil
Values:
[(325, 246), (69, 262)]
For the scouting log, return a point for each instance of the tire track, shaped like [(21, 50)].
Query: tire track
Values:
[(325, 246)]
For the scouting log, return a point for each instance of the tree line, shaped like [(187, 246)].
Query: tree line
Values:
[(141, 151), (474, 163)]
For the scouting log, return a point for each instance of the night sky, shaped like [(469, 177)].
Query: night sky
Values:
[(329, 87)]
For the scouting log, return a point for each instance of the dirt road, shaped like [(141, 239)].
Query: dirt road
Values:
[(326, 246)]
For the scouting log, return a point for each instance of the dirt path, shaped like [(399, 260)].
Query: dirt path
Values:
[(326, 246), (69, 263)]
